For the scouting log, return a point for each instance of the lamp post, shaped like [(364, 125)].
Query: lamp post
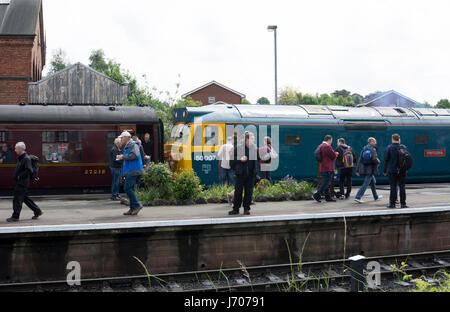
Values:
[(274, 29)]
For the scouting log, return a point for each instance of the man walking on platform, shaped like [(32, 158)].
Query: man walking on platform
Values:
[(326, 167), (345, 162), (132, 170), (397, 161), (368, 167), (22, 176)]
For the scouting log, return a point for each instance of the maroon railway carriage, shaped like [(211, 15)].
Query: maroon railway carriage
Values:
[(72, 143)]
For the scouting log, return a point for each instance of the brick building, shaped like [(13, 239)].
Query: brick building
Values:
[(389, 99), (214, 92), (22, 48)]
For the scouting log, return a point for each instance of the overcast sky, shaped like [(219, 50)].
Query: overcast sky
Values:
[(362, 45)]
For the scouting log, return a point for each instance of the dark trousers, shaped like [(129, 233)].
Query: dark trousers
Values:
[(243, 183), (325, 186), (20, 197), (397, 179), (265, 175), (345, 175)]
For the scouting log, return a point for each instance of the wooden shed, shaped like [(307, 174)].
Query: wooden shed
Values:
[(78, 84)]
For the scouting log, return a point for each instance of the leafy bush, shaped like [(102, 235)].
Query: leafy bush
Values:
[(186, 185), (158, 177), (149, 194), (218, 191)]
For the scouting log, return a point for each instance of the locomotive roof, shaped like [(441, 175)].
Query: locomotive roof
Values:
[(286, 113), (77, 114)]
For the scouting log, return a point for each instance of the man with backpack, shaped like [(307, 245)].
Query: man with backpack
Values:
[(326, 156), (345, 162), (397, 162), (368, 167), (25, 171)]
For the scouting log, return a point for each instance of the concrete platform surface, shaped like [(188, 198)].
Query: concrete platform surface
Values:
[(99, 210)]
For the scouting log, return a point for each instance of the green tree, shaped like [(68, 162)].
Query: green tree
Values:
[(97, 61), (245, 101), (344, 93), (263, 100), (288, 96), (307, 99), (59, 61), (443, 103), (357, 99)]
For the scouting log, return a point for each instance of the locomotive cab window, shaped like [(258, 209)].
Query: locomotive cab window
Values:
[(197, 140), (211, 135), (292, 139), (421, 139), (183, 134), (61, 146)]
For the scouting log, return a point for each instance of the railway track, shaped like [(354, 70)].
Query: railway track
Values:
[(330, 275)]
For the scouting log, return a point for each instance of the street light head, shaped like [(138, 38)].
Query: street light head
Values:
[(271, 27)]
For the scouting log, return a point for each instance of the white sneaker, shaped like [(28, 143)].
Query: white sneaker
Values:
[(359, 200), (379, 197)]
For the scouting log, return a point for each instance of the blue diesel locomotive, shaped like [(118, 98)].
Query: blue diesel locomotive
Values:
[(296, 130)]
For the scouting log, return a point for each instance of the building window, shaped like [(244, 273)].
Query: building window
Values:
[(421, 139), (211, 99), (61, 146), (292, 140), (211, 135)]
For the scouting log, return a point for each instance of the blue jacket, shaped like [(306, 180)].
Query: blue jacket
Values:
[(132, 164)]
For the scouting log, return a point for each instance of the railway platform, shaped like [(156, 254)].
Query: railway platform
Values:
[(93, 232), (98, 209)]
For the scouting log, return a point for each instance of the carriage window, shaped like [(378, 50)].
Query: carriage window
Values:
[(292, 139), (61, 146), (110, 137), (421, 139), (5, 136), (211, 135), (6, 153)]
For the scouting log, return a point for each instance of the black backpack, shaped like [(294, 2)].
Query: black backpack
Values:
[(318, 154), (405, 161), (35, 165)]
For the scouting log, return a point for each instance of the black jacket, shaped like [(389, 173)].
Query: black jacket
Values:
[(371, 169), (6, 156), (341, 149), (148, 147), (22, 174), (249, 167), (391, 158), (113, 163)]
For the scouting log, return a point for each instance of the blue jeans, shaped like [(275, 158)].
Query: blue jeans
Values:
[(129, 188), (325, 187), (227, 176), (115, 185), (369, 179)]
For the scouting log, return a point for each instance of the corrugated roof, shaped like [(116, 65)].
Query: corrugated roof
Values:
[(19, 17)]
